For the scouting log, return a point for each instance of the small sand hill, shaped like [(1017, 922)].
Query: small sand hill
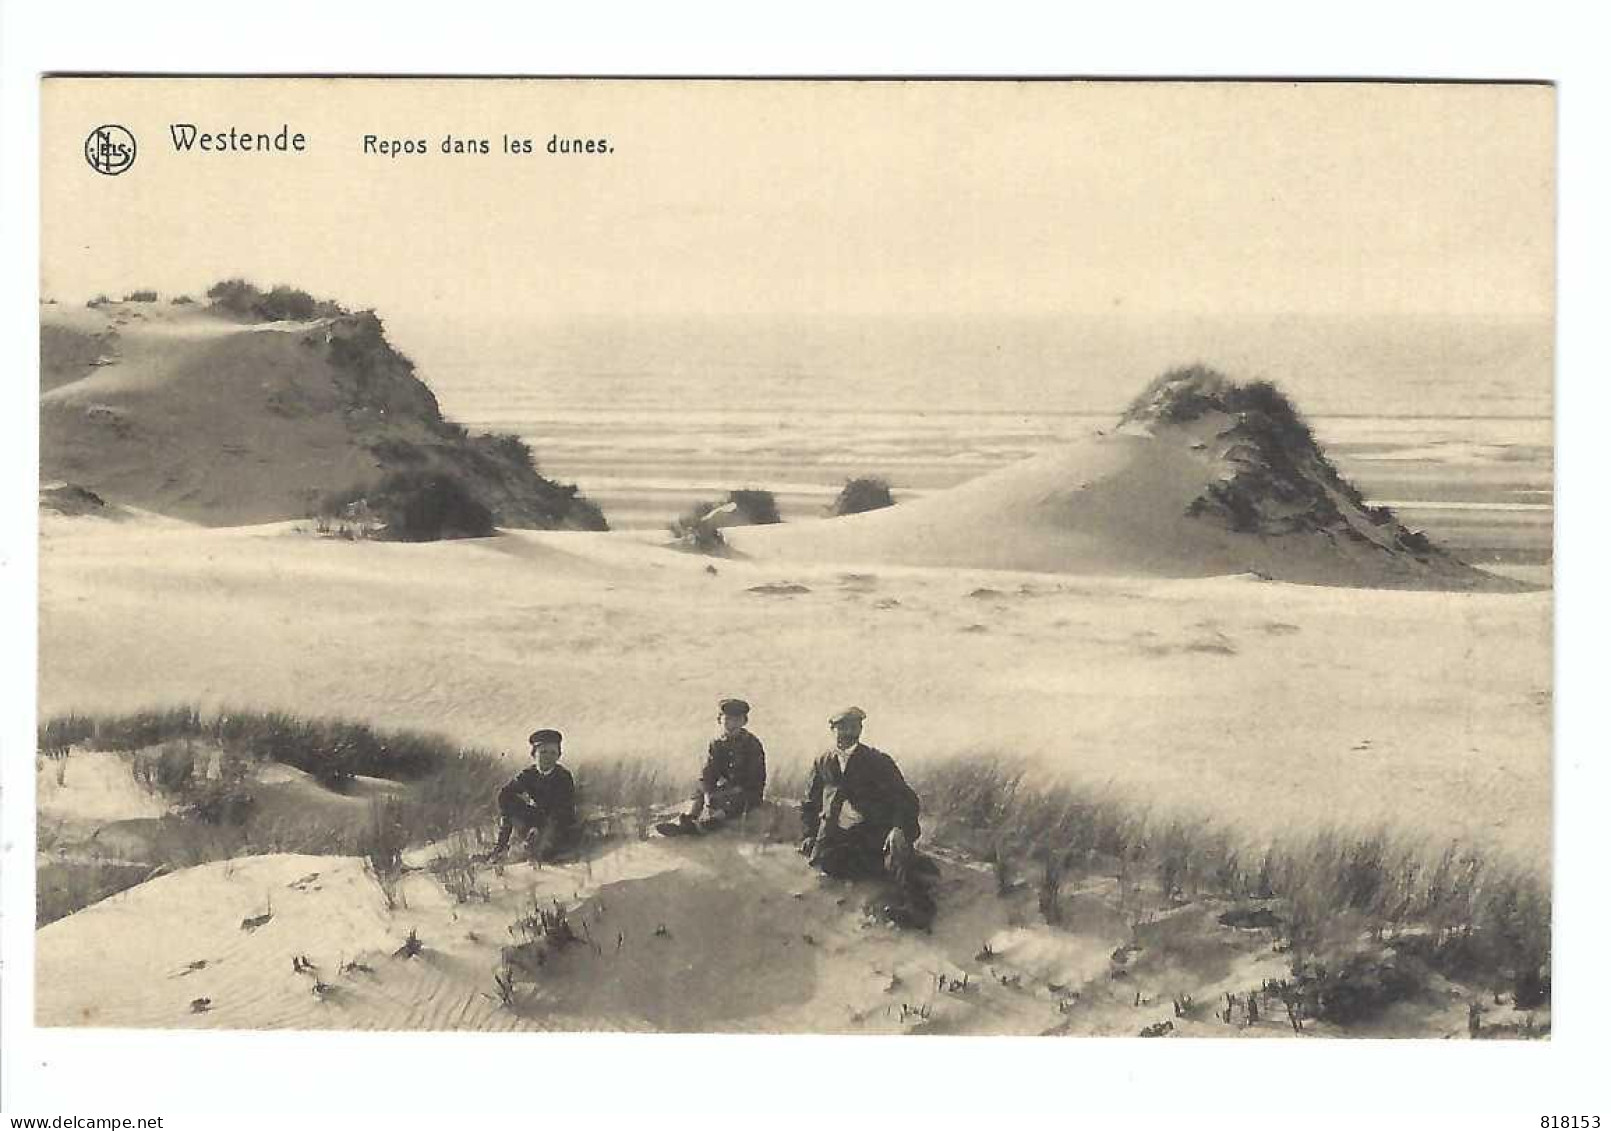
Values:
[(723, 933), (1200, 477), (79, 793), (197, 413)]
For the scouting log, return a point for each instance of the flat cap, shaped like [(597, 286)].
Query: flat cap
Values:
[(848, 713), (735, 707), (545, 735)]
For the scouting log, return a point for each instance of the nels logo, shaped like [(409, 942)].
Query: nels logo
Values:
[(109, 150)]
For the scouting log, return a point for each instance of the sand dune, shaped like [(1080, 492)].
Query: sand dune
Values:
[(197, 415), (1148, 498), (728, 933), (1263, 704)]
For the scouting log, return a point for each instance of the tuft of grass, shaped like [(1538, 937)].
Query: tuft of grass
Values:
[(1054, 870), (865, 493), (382, 850), (693, 530), (626, 789), (60, 734), (758, 507), (1002, 866), (455, 869)]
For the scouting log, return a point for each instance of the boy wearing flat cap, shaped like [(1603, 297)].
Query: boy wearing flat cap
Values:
[(734, 778), (860, 819), (541, 802)]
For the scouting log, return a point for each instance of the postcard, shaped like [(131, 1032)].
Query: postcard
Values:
[(978, 557)]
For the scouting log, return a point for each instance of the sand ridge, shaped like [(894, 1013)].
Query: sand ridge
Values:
[(727, 933)]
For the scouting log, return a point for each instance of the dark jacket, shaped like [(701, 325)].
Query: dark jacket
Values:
[(870, 781), (548, 800), (735, 761)]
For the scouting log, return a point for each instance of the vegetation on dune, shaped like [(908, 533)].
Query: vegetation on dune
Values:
[(66, 886), (1282, 482), (437, 491), (332, 750), (625, 793), (414, 505), (381, 841), (351, 370), (1365, 919), (694, 529), (755, 506), (1188, 392), (865, 493), (699, 527), (497, 471), (205, 767), (279, 304)]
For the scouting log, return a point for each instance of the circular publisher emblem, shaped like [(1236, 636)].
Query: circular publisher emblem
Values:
[(109, 149)]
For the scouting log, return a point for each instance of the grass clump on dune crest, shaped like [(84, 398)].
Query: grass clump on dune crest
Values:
[(1280, 481), (1183, 394), (279, 304), (866, 493)]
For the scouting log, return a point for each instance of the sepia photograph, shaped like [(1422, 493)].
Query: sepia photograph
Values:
[(1061, 559)]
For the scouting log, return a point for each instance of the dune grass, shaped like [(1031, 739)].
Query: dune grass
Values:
[(444, 788), (445, 791), (332, 750), (1350, 907), (1359, 912)]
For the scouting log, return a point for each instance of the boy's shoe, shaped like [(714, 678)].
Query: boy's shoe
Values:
[(684, 825)]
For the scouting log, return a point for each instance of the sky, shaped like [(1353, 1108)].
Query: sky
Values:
[(798, 199)]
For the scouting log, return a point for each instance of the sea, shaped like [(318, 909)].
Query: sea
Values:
[(1449, 421)]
